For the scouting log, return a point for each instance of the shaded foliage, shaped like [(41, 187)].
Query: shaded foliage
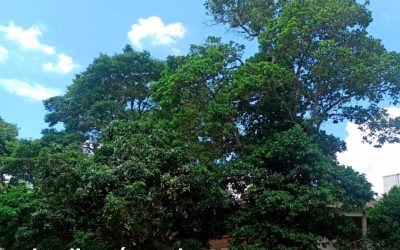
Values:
[(194, 98), (290, 193), (384, 218), (139, 190), (8, 132), (19, 164)]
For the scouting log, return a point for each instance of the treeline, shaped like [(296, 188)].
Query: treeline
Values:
[(165, 154)]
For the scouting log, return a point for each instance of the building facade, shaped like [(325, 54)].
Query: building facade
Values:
[(390, 181)]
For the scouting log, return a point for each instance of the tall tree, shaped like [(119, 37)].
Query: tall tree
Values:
[(160, 198), (111, 88), (316, 63), (290, 192), (337, 70)]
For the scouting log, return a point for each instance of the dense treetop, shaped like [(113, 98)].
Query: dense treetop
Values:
[(111, 88)]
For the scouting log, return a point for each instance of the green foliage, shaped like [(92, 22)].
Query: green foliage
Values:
[(160, 197), (17, 204), (259, 88), (8, 132), (194, 95), (19, 164), (164, 155), (339, 72), (288, 192), (384, 221), (248, 16), (112, 87), (139, 190)]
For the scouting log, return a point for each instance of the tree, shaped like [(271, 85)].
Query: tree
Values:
[(20, 162), (335, 70), (289, 193), (111, 88), (193, 98), (316, 64), (8, 132), (384, 217), (159, 198), (17, 204), (139, 190)]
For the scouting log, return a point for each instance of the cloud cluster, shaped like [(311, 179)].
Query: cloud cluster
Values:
[(154, 30), (366, 159), (29, 39), (32, 91), (3, 53), (64, 65)]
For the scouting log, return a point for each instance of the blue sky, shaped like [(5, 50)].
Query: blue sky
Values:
[(44, 43)]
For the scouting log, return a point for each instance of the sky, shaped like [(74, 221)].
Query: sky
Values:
[(45, 43)]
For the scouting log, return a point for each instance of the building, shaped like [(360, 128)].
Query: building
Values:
[(359, 217), (390, 181)]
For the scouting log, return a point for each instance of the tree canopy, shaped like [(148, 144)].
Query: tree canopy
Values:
[(111, 88), (287, 186), (194, 98), (334, 70), (8, 132)]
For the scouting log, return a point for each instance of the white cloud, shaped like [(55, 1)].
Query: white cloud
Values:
[(154, 29), (27, 38), (374, 162), (3, 53), (35, 91), (64, 65)]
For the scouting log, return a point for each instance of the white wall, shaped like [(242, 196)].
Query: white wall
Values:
[(390, 181)]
